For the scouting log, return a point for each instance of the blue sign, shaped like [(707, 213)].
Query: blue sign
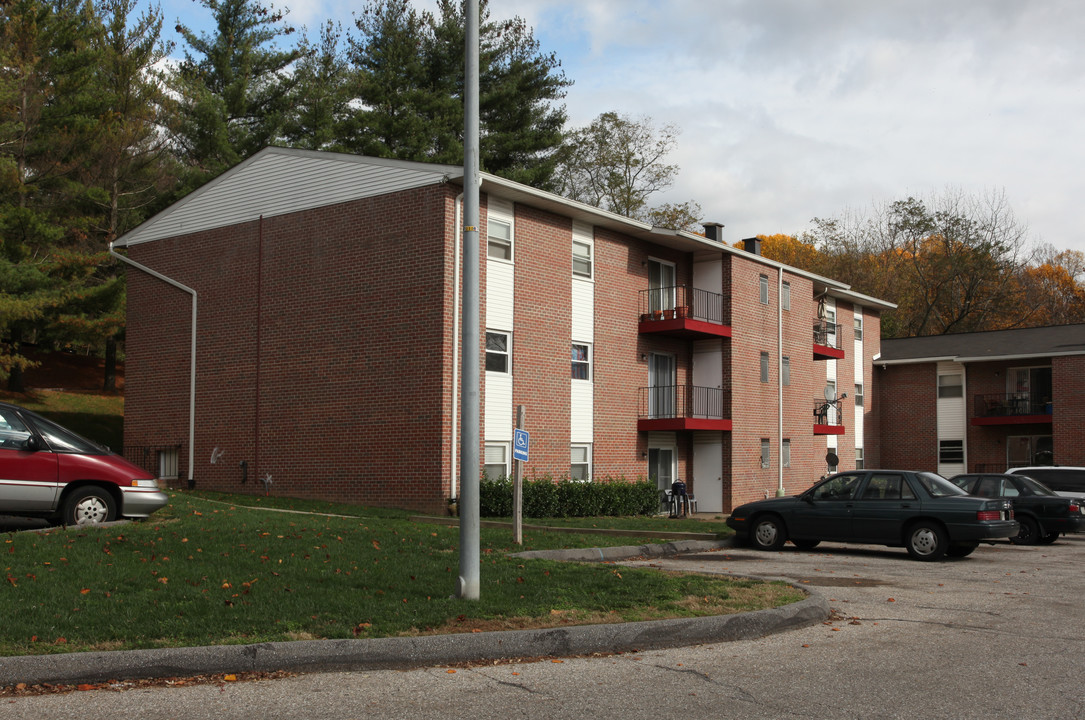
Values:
[(520, 445)]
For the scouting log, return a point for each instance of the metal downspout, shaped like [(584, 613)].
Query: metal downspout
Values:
[(192, 360), (455, 468), (780, 381)]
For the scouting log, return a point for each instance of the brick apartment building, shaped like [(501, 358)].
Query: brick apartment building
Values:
[(295, 326), (983, 402)]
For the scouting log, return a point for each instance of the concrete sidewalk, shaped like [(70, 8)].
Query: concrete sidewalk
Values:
[(434, 650)]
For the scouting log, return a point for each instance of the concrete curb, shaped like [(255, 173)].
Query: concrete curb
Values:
[(412, 652)]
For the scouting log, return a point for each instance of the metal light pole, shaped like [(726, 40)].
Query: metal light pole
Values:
[(468, 583)]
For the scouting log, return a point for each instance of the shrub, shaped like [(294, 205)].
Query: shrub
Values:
[(543, 497)]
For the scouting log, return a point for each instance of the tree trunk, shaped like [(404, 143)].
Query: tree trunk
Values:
[(110, 383)]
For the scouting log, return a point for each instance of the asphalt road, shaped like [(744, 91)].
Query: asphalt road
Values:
[(996, 635)]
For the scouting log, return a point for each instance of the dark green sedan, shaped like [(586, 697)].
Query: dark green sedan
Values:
[(920, 511)]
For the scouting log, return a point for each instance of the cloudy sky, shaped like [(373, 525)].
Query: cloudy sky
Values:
[(794, 109)]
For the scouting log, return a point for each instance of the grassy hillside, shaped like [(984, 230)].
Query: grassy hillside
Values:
[(67, 388)]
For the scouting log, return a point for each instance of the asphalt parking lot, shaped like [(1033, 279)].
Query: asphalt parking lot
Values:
[(994, 635)]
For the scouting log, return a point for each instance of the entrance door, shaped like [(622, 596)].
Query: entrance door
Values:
[(708, 472)]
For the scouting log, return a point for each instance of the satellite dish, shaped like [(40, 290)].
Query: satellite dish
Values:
[(831, 459), (830, 393)]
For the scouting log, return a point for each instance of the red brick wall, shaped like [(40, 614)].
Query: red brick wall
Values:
[(907, 399), (347, 309)]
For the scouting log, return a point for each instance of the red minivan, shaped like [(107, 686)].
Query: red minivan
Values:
[(50, 472)]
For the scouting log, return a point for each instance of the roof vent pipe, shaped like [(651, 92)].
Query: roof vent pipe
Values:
[(713, 231), (752, 245)]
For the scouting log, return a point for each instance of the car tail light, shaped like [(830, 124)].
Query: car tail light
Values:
[(991, 515), (1075, 508)]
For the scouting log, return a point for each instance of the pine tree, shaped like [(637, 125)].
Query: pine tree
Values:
[(234, 87)]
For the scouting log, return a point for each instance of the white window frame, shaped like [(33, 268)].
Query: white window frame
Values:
[(858, 327), (785, 370), (764, 369), (585, 463), (490, 459), (493, 240), (764, 281), (586, 363), (583, 258), (785, 453), (858, 400), (507, 354), (860, 462), (766, 453), (785, 295)]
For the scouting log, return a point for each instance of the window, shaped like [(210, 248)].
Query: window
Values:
[(785, 453), (951, 451), (858, 327), (785, 370), (858, 394), (581, 259), (167, 464), (497, 351), (785, 296), (764, 289), (950, 386), (859, 459), (581, 356), (841, 487), (496, 461), (580, 466), (766, 450), (499, 239), (764, 367)]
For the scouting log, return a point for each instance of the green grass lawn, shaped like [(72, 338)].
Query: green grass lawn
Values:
[(206, 571)]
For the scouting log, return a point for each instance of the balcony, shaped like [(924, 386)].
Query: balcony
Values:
[(682, 312), (827, 341), (681, 407), (1011, 409), (828, 418)]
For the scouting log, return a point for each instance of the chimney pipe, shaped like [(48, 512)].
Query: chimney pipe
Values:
[(752, 245), (713, 231)]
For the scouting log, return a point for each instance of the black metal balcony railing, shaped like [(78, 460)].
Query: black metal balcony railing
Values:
[(146, 457), (1010, 405), (681, 401), (826, 334), (828, 413), (680, 302)]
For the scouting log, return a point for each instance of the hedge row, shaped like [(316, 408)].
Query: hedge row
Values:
[(545, 498)]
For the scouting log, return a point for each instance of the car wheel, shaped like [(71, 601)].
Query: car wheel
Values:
[(805, 544), (768, 533), (926, 541), (1049, 538), (89, 506), (963, 550), (1029, 534)]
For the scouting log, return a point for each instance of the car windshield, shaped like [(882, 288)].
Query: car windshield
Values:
[(938, 486), (1035, 486), (62, 440)]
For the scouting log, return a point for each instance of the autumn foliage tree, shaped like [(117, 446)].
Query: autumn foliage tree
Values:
[(952, 263)]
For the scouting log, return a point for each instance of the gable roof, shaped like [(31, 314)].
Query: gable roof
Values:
[(1021, 343), (279, 181)]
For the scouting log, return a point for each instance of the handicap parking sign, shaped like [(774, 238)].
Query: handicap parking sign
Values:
[(520, 445)]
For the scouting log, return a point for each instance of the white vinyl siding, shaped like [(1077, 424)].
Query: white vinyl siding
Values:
[(279, 181), (951, 422), (582, 317)]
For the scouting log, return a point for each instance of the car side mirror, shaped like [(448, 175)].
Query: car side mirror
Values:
[(32, 444), (807, 498)]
